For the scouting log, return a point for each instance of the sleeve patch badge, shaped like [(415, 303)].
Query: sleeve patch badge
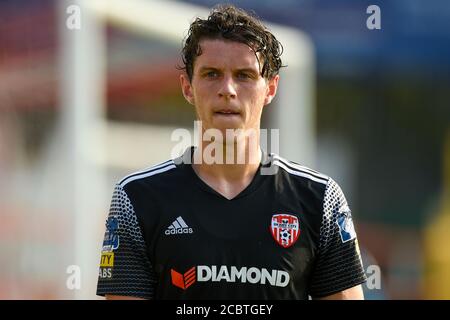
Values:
[(111, 240), (107, 259), (345, 224)]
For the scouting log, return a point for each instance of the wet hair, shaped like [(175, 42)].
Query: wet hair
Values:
[(230, 23)]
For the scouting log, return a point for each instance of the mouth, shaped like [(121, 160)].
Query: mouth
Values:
[(227, 112)]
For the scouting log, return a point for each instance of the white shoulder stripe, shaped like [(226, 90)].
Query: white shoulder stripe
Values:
[(155, 166), (300, 167), (151, 172), (299, 173)]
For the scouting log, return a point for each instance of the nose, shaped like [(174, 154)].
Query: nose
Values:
[(227, 88)]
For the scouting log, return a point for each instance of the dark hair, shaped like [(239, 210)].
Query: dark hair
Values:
[(231, 23)]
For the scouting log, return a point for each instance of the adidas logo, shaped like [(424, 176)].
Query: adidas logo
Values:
[(178, 227)]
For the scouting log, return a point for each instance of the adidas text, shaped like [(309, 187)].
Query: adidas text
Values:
[(178, 231)]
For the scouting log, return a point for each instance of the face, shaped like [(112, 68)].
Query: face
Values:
[(227, 89)]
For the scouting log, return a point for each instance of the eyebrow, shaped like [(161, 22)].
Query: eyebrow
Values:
[(250, 70), (206, 68), (245, 69)]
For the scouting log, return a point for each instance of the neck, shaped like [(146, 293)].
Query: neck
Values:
[(234, 160)]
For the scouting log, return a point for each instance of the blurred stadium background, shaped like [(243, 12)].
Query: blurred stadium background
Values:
[(79, 109)]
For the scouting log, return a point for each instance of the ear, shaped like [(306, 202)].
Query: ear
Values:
[(271, 89), (186, 88)]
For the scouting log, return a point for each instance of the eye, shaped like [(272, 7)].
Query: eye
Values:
[(212, 74), (244, 76)]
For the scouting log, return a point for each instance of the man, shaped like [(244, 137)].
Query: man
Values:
[(192, 228)]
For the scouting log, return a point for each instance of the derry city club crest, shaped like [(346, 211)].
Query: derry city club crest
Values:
[(285, 229)]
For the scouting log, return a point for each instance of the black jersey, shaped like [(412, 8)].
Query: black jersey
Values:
[(288, 235)]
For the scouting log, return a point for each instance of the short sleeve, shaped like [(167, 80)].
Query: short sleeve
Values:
[(338, 265), (125, 268)]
